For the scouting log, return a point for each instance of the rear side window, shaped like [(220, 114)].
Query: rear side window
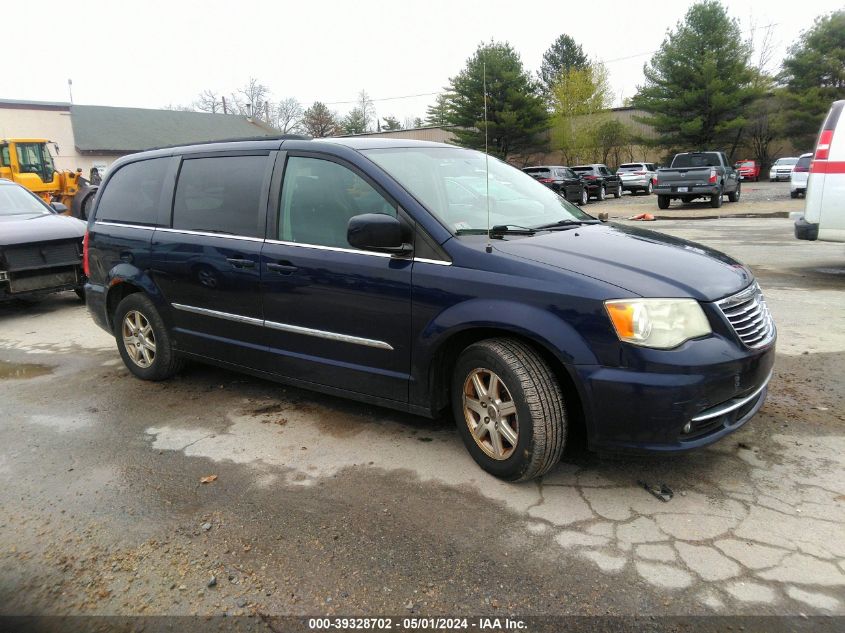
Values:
[(133, 193), (804, 161), (220, 195)]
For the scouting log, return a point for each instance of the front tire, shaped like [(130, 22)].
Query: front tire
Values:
[(602, 193), (662, 202), (509, 409), (585, 198), (145, 345), (618, 193)]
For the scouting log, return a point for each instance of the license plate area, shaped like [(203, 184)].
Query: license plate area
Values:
[(683, 189)]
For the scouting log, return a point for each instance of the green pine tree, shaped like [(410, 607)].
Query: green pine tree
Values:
[(814, 77), (515, 112), (699, 83)]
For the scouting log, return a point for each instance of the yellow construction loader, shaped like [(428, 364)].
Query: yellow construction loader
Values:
[(28, 162)]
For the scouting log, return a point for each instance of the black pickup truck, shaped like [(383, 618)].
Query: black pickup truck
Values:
[(697, 175)]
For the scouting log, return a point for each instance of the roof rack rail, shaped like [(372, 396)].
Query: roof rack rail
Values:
[(279, 137)]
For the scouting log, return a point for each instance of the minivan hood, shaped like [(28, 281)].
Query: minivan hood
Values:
[(645, 263), (24, 229)]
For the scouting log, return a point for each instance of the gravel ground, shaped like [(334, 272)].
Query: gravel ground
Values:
[(765, 199), (323, 506)]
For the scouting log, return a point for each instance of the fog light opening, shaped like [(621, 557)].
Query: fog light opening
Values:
[(687, 427)]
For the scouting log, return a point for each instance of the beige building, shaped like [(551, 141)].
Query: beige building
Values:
[(95, 136)]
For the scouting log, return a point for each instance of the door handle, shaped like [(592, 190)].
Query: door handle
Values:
[(282, 268), (241, 263)]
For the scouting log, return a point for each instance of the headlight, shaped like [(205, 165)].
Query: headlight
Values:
[(658, 323)]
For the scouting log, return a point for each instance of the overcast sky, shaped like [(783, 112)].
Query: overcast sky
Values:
[(151, 53)]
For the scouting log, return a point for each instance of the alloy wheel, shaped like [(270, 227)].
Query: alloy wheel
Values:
[(490, 413), (139, 339)]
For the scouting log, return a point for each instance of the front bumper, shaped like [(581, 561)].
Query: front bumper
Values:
[(805, 230), (21, 284), (629, 410), (781, 175)]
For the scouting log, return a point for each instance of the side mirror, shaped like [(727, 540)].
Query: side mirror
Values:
[(377, 232), (58, 207)]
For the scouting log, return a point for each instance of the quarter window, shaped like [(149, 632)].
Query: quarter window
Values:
[(220, 195), (318, 199), (133, 193)]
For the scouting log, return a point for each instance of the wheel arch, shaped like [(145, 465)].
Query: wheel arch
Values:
[(449, 348)]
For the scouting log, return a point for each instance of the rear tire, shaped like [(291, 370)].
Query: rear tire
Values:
[(585, 198), (716, 200), (649, 188), (143, 341), (662, 202), (793, 194), (733, 196), (602, 193), (618, 192), (502, 383)]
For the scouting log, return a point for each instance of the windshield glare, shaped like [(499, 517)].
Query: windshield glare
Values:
[(17, 201), (451, 183)]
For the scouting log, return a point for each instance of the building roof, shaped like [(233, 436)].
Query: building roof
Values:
[(33, 105), (123, 130)]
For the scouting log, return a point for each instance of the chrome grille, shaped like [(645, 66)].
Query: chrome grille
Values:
[(747, 312)]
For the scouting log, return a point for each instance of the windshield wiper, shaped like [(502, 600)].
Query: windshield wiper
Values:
[(510, 229), (565, 224), (498, 230)]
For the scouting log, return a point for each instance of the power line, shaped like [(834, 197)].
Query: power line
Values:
[(422, 94)]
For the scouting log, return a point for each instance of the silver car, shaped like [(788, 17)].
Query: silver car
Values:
[(782, 168), (637, 176)]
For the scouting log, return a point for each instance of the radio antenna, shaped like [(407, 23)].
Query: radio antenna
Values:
[(489, 248)]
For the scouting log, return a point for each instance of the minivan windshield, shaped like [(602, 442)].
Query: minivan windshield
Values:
[(458, 186), (786, 161), (18, 201)]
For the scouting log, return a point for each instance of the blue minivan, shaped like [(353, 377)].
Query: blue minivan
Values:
[(422, 276)]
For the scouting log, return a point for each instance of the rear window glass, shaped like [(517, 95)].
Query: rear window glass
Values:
[(804, 161), (583, 170), (133, 193), (631, 167), (537, 170), (220, 195), (706, 159)]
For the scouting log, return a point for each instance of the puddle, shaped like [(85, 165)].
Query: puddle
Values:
[(22, 370)]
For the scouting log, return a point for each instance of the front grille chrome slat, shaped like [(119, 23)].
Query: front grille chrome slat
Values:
[(749, 316)]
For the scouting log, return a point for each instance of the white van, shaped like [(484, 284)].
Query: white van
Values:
[(824, 206)]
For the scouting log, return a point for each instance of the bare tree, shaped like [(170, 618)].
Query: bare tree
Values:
[(288, 116), (366, 109), (179, 108), (253, 101), (209, 101)]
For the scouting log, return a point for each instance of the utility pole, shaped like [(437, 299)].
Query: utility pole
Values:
[(70, 89), (223, 99)]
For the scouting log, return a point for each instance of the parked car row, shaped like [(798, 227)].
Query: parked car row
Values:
[(580, 183)]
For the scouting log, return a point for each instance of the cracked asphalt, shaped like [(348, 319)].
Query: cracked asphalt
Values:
[(323, 506)]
